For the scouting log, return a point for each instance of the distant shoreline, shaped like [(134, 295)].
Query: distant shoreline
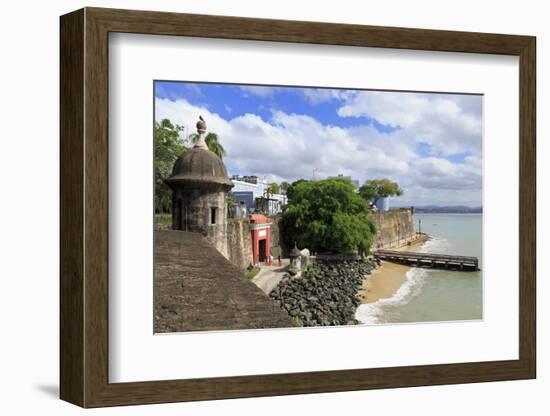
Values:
[(447, 209), (420, 211)]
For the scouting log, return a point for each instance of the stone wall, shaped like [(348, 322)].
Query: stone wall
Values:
[(233, 241), (239, 241), (198, 289), (192, 209), (277, 247), (393, 228)]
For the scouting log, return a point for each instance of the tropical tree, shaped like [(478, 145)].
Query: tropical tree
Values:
[(230, 201), (212, 142), (374, 189), (261, 203), (328, 215), (290, 187), (284, 186), (275, 188), (168, 145)]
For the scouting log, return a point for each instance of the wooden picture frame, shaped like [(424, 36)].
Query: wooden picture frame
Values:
[(84, 207)]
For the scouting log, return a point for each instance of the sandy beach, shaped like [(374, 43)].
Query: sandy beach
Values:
[(387, 279), (383, 282)]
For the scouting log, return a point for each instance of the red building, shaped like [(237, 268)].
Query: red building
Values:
[(260, 228)]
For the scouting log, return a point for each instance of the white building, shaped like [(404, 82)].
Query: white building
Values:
[(383, 203), (247, 189)]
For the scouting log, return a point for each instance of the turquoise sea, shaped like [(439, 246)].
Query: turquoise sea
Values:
[(430, 295)]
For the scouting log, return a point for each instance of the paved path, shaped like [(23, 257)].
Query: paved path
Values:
[(269, 277)]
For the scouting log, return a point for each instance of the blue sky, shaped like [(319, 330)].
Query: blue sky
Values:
[(233, 101), (430, 143)]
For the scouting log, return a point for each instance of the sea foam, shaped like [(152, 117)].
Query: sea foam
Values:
[(436, 245), (373, 313), (415, 279)]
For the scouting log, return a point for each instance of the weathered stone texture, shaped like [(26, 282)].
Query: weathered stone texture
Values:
[(198, 289), (233, 240), (276, 243), (192, 208), (393, 227)]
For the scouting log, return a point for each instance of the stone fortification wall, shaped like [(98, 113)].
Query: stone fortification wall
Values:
[(198, 289), (239, 243), (393, 228), (192, 209), (233, 241), (277, 246)]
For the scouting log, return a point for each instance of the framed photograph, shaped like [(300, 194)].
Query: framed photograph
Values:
[(254, 207)]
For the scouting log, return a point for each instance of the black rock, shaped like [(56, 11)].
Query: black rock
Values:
[(326, 294)]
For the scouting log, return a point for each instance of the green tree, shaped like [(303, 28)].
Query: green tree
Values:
[(290, 188), (374, 189), (275, 188), (168, 146), (284, 186), (261, 203), (213, 143), (231, 199), (328, 215)]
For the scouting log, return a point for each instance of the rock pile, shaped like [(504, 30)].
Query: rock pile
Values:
[(325, 294)]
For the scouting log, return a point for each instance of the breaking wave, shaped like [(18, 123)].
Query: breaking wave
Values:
[(415, 279)]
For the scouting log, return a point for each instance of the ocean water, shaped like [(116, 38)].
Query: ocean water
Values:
[(430, 295)]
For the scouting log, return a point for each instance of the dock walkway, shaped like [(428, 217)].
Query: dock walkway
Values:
[(431, 260)]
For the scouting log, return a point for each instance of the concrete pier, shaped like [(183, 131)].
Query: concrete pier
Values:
[(429, 260)]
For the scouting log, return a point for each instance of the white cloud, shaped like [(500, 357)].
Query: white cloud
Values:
[(437, 173), (449, 125), (321, 95), (291, 146), (258, 91)]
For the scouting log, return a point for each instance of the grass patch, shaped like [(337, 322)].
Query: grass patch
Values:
[(252, 272), (163, 218)]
